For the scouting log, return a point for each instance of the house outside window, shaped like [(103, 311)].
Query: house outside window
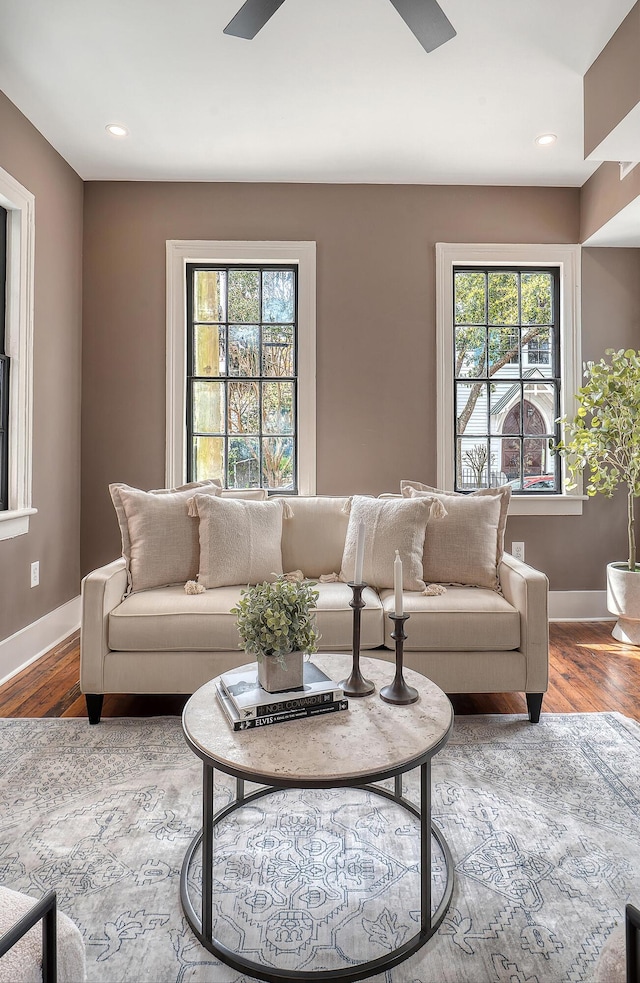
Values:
[(508, 365), (505, 411), (241, 356), (242, 375)]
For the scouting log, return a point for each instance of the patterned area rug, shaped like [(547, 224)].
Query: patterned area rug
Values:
[(543, 823)]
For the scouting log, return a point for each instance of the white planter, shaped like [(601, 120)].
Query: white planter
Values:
[(276, 679), (623, 599)]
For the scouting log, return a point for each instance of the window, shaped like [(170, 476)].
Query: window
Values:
[(241, 364), (507, 360), (537, 350), (16, 356), (510, 344), (242, 375), (505, 412), (4, 370)]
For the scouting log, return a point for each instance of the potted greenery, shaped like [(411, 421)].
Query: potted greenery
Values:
[(276, 622), (604, 440)]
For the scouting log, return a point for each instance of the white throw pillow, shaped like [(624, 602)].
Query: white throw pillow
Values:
[(390, 525), (207, 485), (159, 540), (250, 494), (466, 547), (240, 540), (313, 535)]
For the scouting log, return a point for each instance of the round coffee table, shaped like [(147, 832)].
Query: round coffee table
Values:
[(370, 742)]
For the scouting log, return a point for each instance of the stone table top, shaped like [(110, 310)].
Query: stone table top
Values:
[(368, 741)]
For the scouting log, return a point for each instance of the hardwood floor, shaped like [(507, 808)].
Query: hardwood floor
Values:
[(589, 671)]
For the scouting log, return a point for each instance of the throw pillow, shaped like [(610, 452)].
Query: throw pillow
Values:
[(313, 538), (240, 540), (191, 486), (390, 525), (159, 539), (250, 494), (466, 547)]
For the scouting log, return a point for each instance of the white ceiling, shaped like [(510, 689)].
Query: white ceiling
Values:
[(329, 90)]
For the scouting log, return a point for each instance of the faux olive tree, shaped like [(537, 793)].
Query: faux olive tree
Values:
[(603, 439)]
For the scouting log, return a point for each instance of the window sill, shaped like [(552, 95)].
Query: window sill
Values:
[(547, 505), (15, 522)]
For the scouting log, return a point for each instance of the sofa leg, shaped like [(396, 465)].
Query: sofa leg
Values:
[(534, 706), (94, 706)]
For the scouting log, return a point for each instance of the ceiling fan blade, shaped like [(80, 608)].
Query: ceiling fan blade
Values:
[(427, 20), (251, 17)]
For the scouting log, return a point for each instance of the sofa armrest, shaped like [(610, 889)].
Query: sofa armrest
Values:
[(528, 590), (44, 910), (102, 591)]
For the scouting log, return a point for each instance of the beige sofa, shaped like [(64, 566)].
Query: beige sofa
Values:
[(467, 639)]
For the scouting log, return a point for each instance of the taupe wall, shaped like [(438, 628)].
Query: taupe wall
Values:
[(376, 332), (54, 536), (612, 83), (574, 550), (604, 195)]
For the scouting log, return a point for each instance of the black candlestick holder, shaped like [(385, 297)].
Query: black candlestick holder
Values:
[(398, 691), (356, 684)]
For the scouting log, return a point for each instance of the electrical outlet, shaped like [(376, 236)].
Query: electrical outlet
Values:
[(517, 550), (35, 573)]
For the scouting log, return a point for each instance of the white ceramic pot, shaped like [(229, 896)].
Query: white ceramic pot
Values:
[(623, 599), (273, 677)]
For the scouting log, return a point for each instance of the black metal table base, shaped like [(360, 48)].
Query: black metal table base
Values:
[(202, 926)]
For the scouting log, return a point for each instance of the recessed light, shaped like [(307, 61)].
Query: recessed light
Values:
[(546, 139), (116, 130)]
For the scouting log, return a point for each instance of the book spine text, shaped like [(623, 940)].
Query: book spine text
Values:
[(276, 718)]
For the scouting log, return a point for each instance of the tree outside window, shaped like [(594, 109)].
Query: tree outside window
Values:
[(506, 377), (242, 375)]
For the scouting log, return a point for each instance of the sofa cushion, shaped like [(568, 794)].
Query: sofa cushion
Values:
[(167, 620), (467, 546), (462, 619), (335, 618), (159, 539), (390, 525), (240, 540), (313, 536)]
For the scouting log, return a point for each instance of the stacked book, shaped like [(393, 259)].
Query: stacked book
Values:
[(247, 705)]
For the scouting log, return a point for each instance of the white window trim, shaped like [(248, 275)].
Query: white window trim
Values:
[(179, 253), (20, 206), (567, 259)]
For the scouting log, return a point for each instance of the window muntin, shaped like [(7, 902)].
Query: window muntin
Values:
[(507, 378), (242, 376)]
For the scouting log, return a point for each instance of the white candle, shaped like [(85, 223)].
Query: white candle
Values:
[(397, 584), (357, 574)]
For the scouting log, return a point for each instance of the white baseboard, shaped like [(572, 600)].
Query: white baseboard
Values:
[(578, 605), (33, 641)]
